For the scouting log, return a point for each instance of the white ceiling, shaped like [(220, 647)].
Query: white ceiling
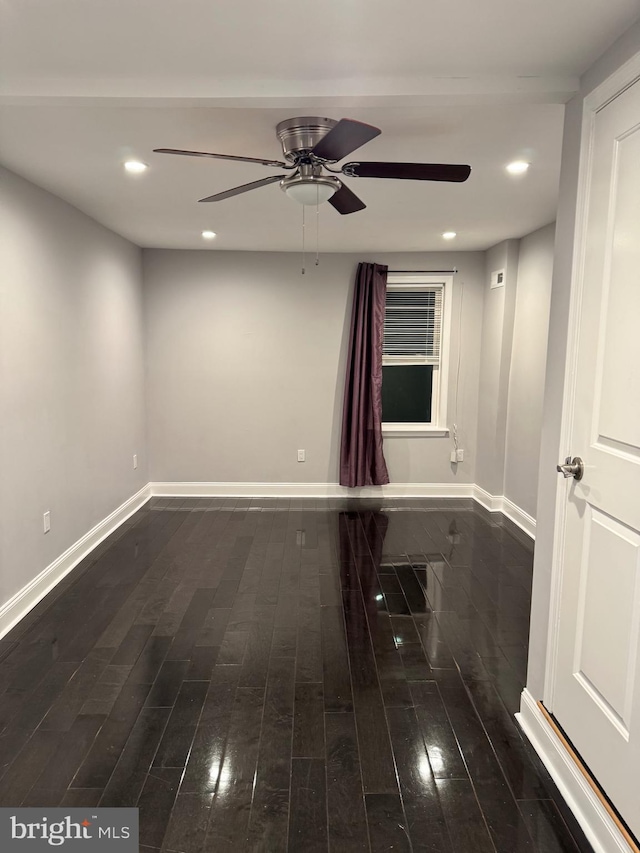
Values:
[(84, 84)]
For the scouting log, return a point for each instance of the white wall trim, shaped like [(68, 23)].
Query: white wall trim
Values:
[(312, 490), (391, 430), (487, 500), (500, 503), (23, 601), (600, 829), (616, 83)]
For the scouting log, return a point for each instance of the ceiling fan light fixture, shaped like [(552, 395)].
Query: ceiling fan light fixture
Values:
[(310, 190), (310, 193)]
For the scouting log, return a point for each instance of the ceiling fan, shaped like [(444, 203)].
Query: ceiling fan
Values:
[(309, 145)]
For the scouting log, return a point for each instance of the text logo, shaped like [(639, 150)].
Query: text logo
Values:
[(86, 830)]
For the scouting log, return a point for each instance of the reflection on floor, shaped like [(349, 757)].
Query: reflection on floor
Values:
[(288, 675)]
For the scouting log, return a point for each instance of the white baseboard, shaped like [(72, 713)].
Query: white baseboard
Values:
[(500, 503), (27, 598), (600, 829), (312, 490)]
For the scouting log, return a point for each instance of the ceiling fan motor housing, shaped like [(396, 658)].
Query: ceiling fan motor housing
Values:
[(300, 135)]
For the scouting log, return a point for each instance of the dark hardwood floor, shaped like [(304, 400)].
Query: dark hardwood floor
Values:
[(301, 675)]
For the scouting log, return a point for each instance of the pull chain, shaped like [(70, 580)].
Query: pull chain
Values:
[(317, 225), (303, 247)]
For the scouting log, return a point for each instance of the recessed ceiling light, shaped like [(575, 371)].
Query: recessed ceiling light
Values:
[(208, 235), (518, 167), (449, 235), (135, 167)]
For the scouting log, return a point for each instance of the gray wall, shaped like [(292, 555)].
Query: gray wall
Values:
[(246, 360), (495, 360), (528, 363), (71, 377), (514, 340), (551, 451)]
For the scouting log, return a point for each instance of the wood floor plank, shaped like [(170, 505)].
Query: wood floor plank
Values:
[(308, 724), (345, 796), (130, 773), (308, 812)]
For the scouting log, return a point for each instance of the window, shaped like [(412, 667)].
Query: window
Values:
[(415, 354)]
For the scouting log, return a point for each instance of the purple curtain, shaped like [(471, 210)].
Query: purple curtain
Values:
[(361, 457)]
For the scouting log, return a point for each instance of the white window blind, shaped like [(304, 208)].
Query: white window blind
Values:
[(412, 325)]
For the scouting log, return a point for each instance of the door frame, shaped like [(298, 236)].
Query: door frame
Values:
[(616, 84)]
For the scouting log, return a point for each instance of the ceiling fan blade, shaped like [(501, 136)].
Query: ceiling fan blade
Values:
[(346, 201), (344, 138), (244, 188), (408, 171), (221, 157)]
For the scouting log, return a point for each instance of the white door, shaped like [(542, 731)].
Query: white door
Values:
[(596, 688)]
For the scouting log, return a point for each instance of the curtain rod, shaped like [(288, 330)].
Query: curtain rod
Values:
[(422, 272)]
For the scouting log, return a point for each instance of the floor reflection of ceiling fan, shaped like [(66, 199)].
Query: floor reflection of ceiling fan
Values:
[(309, 145)]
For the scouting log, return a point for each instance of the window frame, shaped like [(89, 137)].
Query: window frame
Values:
[(437, 427)]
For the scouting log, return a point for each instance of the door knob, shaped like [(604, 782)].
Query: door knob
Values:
[(571, 468)]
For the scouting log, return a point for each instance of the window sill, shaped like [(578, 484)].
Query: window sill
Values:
[(413, 431)]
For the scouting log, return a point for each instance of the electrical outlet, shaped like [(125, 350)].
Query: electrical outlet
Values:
[(301, 456), (135, 460), (46, 518), (453, 457), (459, 455), (301, 537)]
